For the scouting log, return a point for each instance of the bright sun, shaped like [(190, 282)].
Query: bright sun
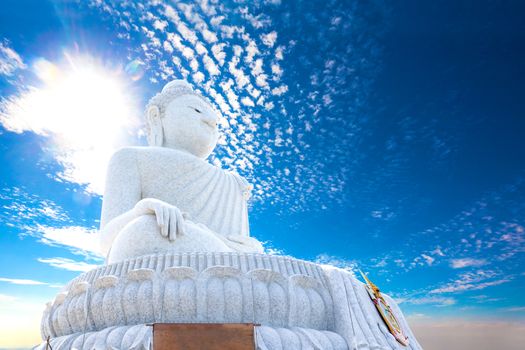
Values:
[(83, 108), (81, 101)]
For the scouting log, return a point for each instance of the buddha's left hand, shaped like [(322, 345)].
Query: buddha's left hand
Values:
[(169, 218)]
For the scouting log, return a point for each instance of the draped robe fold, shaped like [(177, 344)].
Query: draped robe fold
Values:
[(212, 196)]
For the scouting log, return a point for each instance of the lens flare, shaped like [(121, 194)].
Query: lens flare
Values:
[(83, 107), (135, 69)]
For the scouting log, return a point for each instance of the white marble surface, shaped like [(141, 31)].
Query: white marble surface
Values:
[(292, 298), (203, 287), (196, 206), (140, 337), (137, 337)]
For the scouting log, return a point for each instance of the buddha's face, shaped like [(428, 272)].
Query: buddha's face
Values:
[(189, 124)]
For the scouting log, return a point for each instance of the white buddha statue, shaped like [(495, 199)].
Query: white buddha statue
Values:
[(166, 197)]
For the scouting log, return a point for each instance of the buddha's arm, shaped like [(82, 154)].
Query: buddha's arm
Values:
[(122, 192), (123, 202)]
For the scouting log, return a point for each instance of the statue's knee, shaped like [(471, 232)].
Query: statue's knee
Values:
[(142, 225), (141, 236)]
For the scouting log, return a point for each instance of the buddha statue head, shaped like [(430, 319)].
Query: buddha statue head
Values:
[(182, 119)]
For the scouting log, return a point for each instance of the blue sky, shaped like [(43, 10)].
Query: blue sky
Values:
[(385, 135)]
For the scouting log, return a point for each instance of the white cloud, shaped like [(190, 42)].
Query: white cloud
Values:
[(218, 53), (433, 300), (68, 264), (345, 264), (277, 70), (472, 281), (269, 106), (251, 51), (269, 39), (83, 109), (228, 31), (515, 309), (42, 219), (279, 53), (429, 260), (379, 262), (24, 211), (259, 21), (27, 282), (24, 282), (438, 252), (167, 46), (481, 299), (278, 91), (7, 298), (261, 81), (188, 53), (81, 239), (233, 99), (187, 33), (467, 262), (207, 33), (171, 14), (160, 25), (216, 20), (327, 99), (198, 77), (10, 61), (201, 49), (209, 36), (257, 67), (210, 66), (247, 101)]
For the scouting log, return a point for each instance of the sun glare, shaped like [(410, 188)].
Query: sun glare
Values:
[(81, 103), (84, 108)]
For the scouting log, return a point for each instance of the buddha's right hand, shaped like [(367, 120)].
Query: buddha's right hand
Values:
[(169, 218)]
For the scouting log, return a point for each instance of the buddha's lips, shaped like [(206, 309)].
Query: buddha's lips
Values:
[(209, 123)]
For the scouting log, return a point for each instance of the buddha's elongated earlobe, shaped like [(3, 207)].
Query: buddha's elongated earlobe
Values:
[(156, 133)]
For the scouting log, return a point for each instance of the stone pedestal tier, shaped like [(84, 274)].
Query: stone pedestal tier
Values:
[(296, 302)]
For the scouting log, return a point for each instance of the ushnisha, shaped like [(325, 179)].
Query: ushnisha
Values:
[(166, 197)]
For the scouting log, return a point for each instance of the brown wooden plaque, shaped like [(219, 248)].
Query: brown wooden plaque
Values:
[(203, 336)]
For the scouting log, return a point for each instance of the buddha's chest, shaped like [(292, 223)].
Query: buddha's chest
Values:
[(209, 194)]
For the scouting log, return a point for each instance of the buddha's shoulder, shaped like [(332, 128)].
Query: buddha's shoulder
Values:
[(126, 155), (139, 155), (144, 151)]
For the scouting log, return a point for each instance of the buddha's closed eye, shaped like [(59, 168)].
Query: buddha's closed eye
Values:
[(196, 109)]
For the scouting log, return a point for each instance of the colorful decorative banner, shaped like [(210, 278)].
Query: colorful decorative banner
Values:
[(385, 311)]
